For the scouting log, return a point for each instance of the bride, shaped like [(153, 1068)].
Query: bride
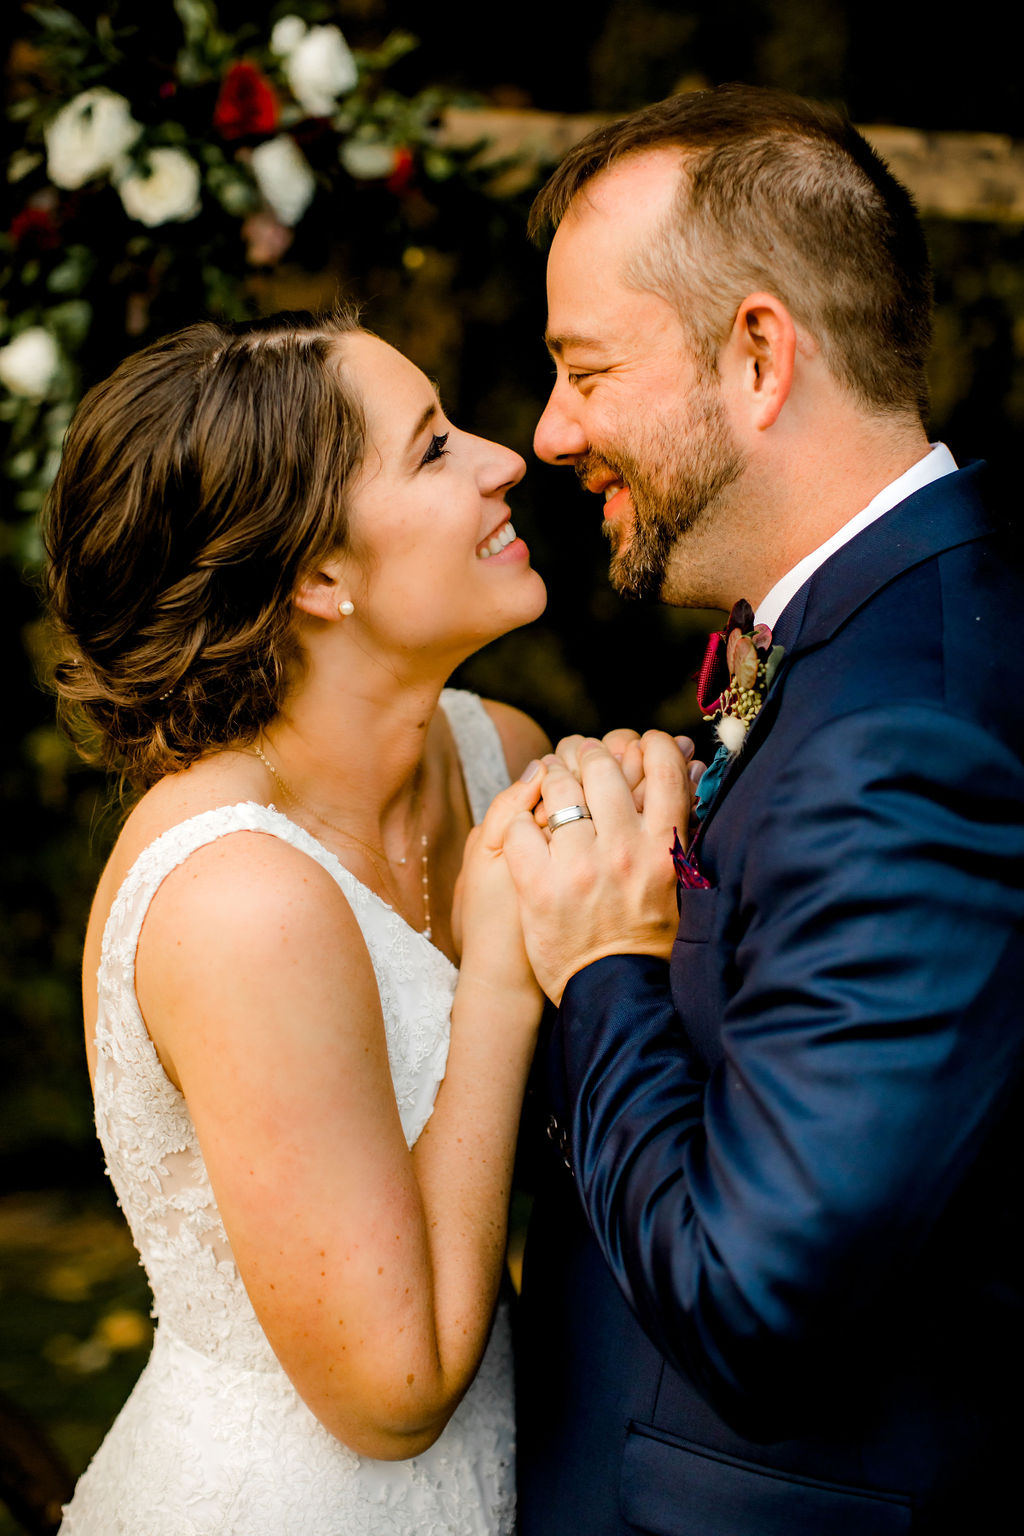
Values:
[(268, 551)]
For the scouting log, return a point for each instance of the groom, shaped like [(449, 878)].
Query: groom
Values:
[(773, 1282)]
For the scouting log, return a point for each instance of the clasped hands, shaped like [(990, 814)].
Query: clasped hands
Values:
[(605, 884)]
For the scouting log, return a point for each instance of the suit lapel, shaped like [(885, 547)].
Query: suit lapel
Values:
[(944, 514)]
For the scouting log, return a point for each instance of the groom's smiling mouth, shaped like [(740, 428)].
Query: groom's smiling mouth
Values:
[(616, 493)]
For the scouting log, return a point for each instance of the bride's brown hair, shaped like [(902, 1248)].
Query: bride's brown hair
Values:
[(199, 484)]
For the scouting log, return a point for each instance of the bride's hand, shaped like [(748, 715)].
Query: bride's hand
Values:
[(627, 748), (485, 913)]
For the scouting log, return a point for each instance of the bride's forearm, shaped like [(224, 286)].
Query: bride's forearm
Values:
[(463, 1165), (464, 1161)]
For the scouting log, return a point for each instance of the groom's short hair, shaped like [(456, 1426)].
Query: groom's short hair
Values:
[(784, 195)]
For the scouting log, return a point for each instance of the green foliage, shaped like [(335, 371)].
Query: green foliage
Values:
[(83, 268)]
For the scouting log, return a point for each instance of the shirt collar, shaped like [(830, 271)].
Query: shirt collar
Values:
[(938, 461)]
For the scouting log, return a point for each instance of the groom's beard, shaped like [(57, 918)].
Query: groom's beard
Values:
[(675, 476)]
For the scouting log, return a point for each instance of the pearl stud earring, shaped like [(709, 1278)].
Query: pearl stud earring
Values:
[(346, 608)]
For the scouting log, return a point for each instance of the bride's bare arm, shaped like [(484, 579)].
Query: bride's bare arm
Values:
[(373, 1269)]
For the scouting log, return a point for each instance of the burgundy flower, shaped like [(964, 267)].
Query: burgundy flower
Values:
[(739, 646), (34, 227), (246, 104)]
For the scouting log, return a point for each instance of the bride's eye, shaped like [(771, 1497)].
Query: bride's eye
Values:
[(436, 450)]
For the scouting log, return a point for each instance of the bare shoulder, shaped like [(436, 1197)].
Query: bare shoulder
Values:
[(251, 890), (249, 934), (521, 737)]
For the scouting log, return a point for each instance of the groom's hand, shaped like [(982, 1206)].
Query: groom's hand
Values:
[(603, 886)]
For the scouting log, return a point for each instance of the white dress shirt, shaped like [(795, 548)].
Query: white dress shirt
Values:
[(936, 463)]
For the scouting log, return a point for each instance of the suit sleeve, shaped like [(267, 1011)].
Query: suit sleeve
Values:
[(871, 1034)]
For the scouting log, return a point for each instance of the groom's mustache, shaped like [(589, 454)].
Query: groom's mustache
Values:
[(593, 464)]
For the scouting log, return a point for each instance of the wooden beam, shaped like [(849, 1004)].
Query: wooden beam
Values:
[(952, 175), (956, 175)]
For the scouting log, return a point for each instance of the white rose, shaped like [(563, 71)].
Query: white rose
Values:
[(366, 160), (283, 176), (29, 363), (320, 69), (88, 135), (170, 191), (287, 35)]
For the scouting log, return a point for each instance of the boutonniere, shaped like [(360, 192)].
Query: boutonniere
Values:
[(732, 685)]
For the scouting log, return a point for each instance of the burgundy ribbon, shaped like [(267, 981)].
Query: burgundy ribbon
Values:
[(713, 677)]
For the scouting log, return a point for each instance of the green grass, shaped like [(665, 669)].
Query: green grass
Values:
[(74, 1318)]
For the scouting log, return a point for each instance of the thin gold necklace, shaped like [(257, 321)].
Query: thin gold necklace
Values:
[(287, 789)]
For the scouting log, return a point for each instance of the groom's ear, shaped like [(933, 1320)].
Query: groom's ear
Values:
[(761, 355)]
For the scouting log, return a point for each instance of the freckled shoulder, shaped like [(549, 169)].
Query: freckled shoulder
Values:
[(521, 737)]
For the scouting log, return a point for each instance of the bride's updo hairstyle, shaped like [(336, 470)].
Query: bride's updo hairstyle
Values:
[(199, 485)]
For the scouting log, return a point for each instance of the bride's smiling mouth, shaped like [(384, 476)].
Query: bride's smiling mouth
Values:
[(497, 542)]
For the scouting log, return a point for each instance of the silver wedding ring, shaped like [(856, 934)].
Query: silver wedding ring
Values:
[(566, 814)]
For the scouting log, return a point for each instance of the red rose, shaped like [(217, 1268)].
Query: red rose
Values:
[(401, 173), (246, 103)]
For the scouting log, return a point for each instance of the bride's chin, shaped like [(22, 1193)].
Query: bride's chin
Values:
[(510, 609), (526, 611)]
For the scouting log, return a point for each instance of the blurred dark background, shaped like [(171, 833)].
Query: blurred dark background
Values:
[(445, 272)]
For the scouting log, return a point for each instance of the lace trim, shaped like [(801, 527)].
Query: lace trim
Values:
[(479, 746)]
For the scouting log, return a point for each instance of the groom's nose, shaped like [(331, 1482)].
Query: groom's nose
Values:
[(559, 437)]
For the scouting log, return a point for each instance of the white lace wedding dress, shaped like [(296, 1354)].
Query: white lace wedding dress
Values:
[(214, 1440)]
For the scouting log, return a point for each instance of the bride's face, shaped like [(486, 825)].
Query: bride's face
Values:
[(435, 566)]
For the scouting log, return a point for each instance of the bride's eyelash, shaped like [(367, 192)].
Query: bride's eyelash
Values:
[(436, 450)]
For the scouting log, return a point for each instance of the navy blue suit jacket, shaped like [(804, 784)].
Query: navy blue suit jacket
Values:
[(773, 1281)]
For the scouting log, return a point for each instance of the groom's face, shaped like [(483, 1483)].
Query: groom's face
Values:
[(634, 407)]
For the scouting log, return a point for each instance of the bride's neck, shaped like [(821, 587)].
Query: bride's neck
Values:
[(352, 748)]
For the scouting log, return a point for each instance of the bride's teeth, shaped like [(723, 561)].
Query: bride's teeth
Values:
[(505, 535)]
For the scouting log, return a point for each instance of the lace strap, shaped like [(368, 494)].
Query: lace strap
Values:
[(484, 772), (479, 746), (163, 855)]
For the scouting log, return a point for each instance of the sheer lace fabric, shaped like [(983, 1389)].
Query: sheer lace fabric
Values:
[(214, 1438)]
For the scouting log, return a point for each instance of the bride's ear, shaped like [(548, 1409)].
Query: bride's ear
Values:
[(324, 594)]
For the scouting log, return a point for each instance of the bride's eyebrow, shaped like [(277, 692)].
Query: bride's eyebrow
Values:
[(424, 421)]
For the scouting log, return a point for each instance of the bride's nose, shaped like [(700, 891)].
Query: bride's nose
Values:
[(501, 469)]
